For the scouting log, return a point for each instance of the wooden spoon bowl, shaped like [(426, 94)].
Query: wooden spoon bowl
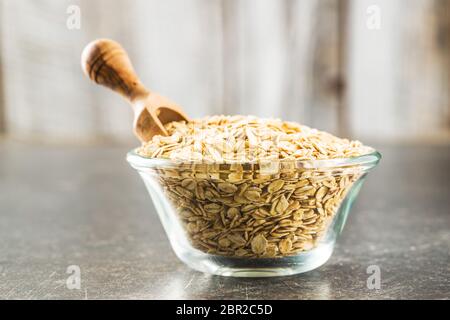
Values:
[(105, 62)]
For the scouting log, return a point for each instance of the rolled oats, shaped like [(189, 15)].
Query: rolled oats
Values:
[(233, 197), (189, 184), (252, 195), (275, 186), (259, 244), (285, 245), (227, 187)]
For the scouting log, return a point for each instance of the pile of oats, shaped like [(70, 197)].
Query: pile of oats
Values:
[(237, 139), (234, 199)]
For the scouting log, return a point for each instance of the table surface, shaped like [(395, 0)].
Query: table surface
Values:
[(62, 206)]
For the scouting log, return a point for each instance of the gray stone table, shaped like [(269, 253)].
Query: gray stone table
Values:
[(84, 206)]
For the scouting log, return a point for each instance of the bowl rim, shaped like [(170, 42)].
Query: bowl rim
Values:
[(368, 160)]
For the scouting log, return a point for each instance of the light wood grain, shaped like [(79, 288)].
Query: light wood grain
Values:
[(2, 102), (399, 75), (265, 57), (177, 49)]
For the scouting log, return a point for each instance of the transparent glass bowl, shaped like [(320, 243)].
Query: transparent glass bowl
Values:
[(253, 220)]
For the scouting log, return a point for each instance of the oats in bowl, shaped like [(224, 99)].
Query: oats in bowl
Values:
[(247, 139), (253, 189)]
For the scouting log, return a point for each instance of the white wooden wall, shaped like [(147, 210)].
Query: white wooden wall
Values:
[(399, 75), (263, 57)]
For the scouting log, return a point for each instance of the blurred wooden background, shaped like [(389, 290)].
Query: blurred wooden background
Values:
[(312, 61)]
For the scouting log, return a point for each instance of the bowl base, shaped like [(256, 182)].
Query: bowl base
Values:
[(256, 268)]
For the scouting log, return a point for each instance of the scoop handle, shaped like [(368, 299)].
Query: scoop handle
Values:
[(106, 63)]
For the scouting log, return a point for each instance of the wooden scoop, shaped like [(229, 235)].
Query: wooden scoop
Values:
[(106, 62)]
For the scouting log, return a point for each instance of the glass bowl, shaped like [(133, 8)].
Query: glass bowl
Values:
[(253, 219)]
